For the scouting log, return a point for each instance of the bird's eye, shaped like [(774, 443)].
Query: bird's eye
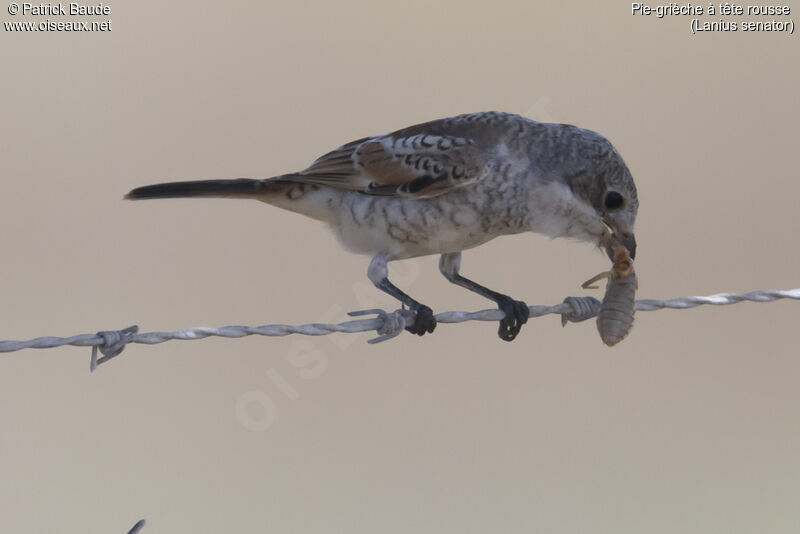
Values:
[(613, 200)]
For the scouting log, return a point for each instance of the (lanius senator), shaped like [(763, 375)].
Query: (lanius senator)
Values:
[(448, 185)]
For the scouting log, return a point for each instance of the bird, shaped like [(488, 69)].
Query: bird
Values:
[(448, 185)]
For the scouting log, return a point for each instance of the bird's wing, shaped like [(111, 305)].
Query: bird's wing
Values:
[(412, 162)]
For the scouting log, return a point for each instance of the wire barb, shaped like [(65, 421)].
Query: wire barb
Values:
[(581, 309), (114, 342), (392, 324), (388, 325)]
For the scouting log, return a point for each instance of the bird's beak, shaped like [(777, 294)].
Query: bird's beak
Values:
[(627, 239)]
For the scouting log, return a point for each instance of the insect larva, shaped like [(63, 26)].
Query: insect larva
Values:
[(615, 318)]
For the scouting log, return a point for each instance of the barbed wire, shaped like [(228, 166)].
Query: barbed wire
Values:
[(110, 343)]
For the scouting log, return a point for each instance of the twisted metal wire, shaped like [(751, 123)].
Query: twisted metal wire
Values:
[(387, 324)]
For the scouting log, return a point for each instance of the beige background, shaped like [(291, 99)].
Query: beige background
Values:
[(691, 425)]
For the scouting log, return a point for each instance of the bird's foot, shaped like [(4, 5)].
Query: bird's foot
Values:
[(424, 321), (516, 315)]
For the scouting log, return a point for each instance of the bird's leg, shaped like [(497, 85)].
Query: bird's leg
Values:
[(378, 274), (516, 311)]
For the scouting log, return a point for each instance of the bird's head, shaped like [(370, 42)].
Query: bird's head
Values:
[(602, 179)]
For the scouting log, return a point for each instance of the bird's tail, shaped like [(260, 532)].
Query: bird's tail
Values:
[(280, 191), (238, 188)]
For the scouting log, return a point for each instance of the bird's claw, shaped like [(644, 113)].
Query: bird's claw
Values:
[(424, 321), (516, 315)]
